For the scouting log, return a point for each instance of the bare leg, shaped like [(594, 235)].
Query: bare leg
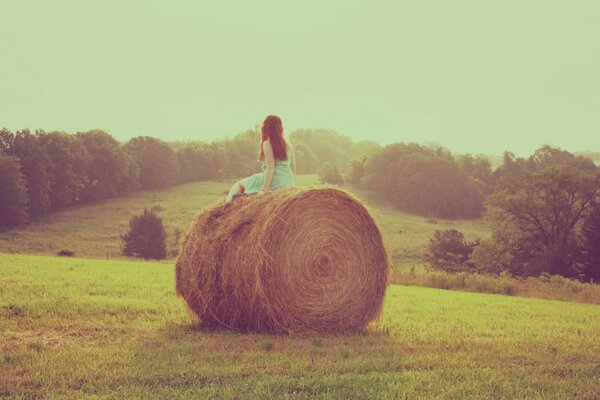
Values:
[(237, 188)]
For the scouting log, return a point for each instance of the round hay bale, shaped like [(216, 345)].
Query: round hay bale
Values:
[(287, 261)]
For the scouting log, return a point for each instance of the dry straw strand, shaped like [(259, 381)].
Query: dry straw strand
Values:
[(290, 261)]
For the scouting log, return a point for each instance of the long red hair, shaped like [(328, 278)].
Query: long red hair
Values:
[(272, 129)]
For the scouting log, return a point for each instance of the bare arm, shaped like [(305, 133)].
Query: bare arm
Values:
[(293, 159), (270, 161)]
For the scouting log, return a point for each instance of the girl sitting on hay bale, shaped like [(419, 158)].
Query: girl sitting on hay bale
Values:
[(278, 162)]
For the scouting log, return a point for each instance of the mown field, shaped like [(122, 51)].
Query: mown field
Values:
[(94, 230), (74, 328)]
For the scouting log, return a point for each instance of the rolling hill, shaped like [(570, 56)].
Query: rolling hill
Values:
[(94, 230)]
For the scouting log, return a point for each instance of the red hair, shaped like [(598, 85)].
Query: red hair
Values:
[(272, 130)]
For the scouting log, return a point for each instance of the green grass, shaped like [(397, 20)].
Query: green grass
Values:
[(94, 230), (73, 328)]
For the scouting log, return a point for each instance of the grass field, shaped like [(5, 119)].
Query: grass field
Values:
[(73, 328), (94, 230)]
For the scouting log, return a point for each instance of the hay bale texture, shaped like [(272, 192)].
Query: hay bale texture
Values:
[(287, 261)]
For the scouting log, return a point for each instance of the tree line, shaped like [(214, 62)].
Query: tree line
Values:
[(544, 214), (425, 180), (544, 210), (41, 172)]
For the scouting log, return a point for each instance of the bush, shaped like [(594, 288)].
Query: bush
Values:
[(66, 253), (146, 237), (545, 286), (157, 208), (449, 251), (328, 173), (177, 234), (356, 172)]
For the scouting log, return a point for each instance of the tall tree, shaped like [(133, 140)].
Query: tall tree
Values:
[(306, 159), (480, 169), (590, 236), (13, 192), (241, 154), (157, 162), (540, 212), (357, 171), (326, 145), (424, 181), (196, 162), (69, 167), (36, 167), (544, 157), (108, 173), (547, 156)]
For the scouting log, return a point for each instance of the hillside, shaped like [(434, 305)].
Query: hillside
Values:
[(73, 328), (94, 231)]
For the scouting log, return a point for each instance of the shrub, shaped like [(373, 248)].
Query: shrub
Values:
[(146, 237), (157, 208), (449, 251), (545, 286), (66, 253), (328, 173), (177, 233)]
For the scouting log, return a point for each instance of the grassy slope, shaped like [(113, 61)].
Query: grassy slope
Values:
[(75, 328), (94, 230)]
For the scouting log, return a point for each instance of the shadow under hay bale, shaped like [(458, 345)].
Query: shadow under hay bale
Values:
[(288, 261)]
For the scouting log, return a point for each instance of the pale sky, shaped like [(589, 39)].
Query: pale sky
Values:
[(476, 76)]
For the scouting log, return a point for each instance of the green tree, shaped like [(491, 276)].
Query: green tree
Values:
[(330, 174), (448, 250), (241, 154), (326, 145), (13, 192), (424, 181), (196, 162), (515, 167), (590, 237), (306, 159), (536, 218), (108, 172), (69, 167), (157, 162), (547, 156), (494, 256), (480, 169), (357, 171), (146, 237), (364, 148), (36, 167)]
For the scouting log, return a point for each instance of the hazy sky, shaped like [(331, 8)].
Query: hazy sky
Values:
[(475, 76)]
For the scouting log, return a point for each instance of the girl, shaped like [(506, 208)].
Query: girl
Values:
[(278, 162)]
